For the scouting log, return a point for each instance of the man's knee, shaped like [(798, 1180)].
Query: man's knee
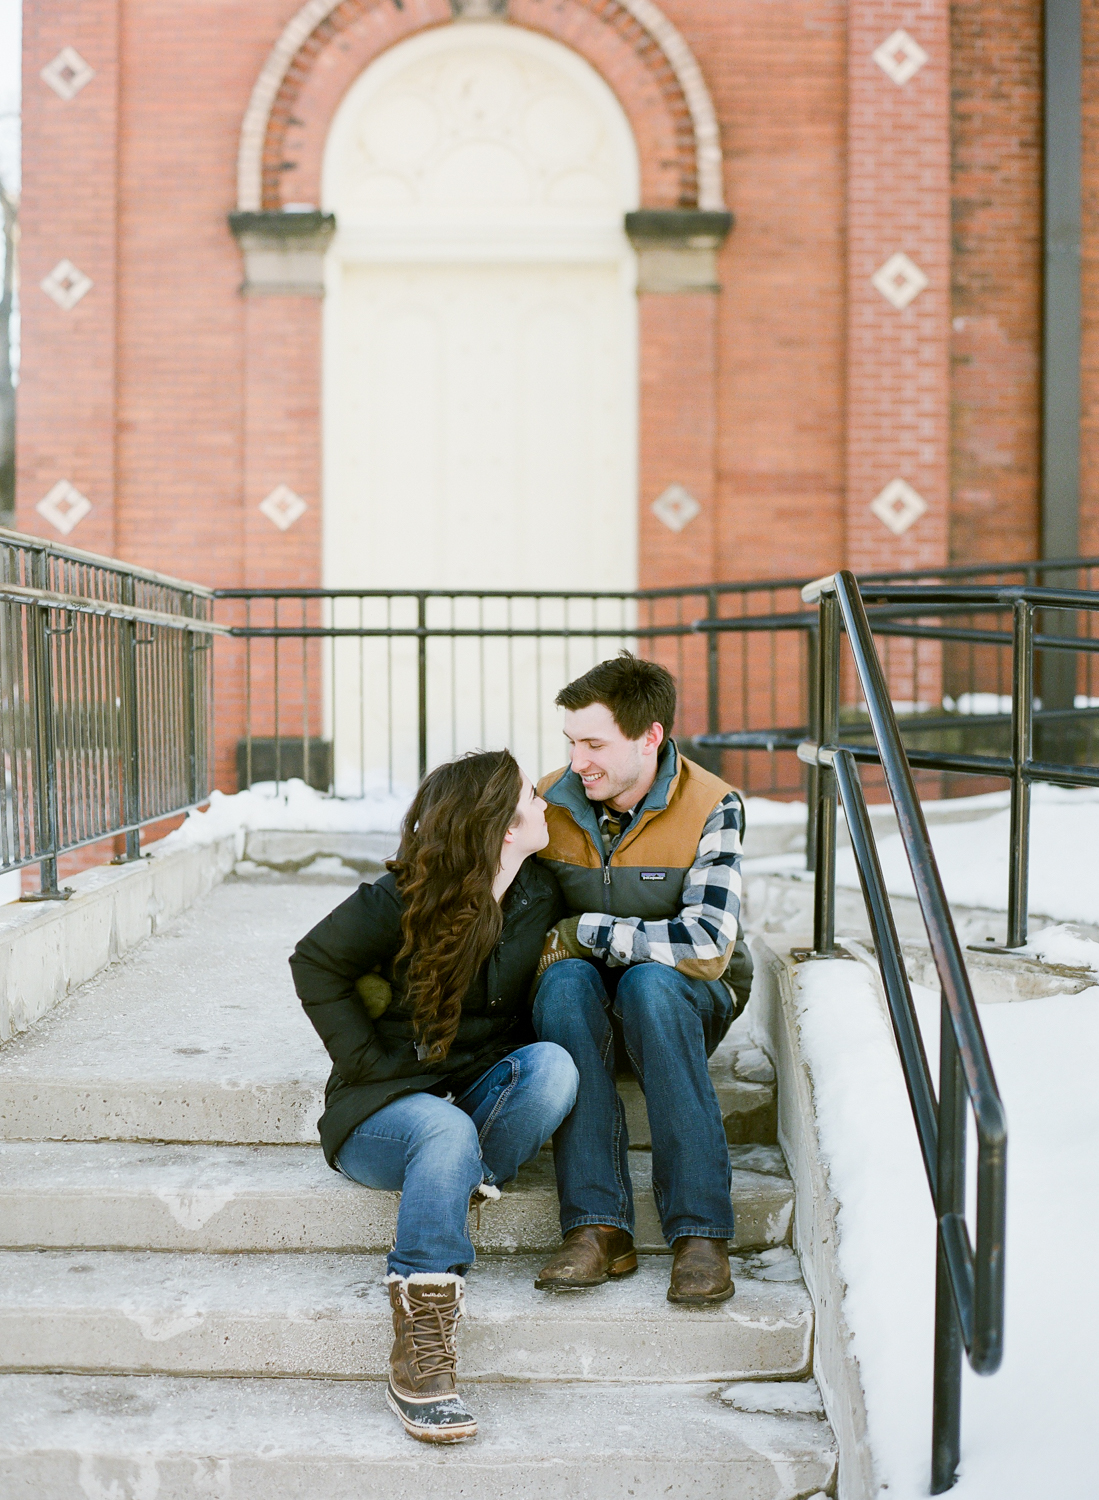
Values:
[(643, 986), (654, 995), (568, 993)]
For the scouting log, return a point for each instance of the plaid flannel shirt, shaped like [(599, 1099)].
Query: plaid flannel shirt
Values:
[(709, 919)]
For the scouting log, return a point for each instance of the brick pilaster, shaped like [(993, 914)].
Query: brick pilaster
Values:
[(898, 202), (67, 398)]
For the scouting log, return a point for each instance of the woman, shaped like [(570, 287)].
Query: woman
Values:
[(438, 1087)]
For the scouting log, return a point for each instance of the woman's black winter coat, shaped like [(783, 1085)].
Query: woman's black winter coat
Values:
[(375, 1061)]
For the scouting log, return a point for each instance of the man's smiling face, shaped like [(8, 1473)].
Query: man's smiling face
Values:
[(611, 767)]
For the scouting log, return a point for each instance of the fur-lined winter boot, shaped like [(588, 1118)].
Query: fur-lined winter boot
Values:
[(423, 1362)]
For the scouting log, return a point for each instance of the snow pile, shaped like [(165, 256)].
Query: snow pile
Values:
[(1027, 1430), (1061, 945), (973, 856), (289, 805)]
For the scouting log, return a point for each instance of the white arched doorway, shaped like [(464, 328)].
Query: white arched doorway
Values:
[(480, 367), (480, 381)]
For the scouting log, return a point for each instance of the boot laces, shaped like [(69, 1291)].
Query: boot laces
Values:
[(434, 1331)]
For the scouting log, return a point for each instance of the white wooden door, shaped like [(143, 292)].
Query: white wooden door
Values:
[(480, 367)]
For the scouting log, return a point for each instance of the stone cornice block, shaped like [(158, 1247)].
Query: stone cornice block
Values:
[(283, 252), (677, 247)]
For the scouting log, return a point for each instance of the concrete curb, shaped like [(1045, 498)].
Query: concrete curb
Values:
[(49, 949), (816, 1233)]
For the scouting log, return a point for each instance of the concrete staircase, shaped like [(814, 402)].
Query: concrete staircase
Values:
[(191, 1301)]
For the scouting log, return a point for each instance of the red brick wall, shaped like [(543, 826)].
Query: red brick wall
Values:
[(898, 201), (996, 127), (785, 402), (1089, 427), (67, 409)]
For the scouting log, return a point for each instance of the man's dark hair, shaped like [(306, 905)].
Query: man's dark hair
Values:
[(638, 693)]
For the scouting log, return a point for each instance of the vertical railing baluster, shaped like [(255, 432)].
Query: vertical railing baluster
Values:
[(131, 748), (45, 752), (827, 734), (1022, 742)]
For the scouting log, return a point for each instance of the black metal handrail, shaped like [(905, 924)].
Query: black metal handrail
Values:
[(969, 1286), (104, 702)]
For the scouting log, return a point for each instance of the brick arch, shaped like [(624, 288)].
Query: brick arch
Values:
[(642, 57)]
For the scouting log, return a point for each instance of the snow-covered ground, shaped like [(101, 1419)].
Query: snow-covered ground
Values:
[(973, 854), (290, 806), (1028, 1430)]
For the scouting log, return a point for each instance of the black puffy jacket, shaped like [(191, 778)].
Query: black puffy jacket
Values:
[(375, 1061)]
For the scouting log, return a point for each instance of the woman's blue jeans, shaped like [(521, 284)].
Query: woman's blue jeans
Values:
[(435, 1152)]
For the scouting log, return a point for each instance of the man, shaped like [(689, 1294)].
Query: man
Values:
[(648, 970)]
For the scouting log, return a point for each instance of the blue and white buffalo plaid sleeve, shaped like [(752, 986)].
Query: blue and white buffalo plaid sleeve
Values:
[(697, 940)]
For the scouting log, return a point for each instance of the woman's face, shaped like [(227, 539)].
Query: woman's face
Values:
[(528, 833)]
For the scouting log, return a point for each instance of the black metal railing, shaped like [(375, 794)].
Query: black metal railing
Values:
[(105, 686), (342, 687), (969, 1286)]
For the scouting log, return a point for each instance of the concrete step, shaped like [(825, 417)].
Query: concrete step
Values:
[(127, 1196), (130, 1438), (328, 1316), (50, 1103), (199, 1036)]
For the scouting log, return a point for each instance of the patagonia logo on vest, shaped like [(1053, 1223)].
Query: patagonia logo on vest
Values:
[(654, 874)]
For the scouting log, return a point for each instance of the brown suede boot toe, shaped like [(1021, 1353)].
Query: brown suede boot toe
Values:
[(590, 1255), (700, 1272)]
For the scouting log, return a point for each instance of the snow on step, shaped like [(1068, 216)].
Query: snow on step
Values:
[(328, 1316), (128, 1437), (237, 1198), (198, 1036)]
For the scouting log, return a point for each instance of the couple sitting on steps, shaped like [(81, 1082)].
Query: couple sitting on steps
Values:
[(478, 999)]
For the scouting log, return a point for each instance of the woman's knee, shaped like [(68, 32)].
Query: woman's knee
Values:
[(448, 1143), (556, 1076)]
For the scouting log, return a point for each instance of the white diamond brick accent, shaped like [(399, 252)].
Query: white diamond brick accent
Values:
[(900, 56), (64, 506), (283, 507), (898, 506), (676, 507), (899, 280), (68, 73), (66, 284)]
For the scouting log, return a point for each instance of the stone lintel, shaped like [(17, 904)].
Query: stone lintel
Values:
[(283, 252), (677, 247)]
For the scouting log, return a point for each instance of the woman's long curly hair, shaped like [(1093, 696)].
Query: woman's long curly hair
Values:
[(449, 857)]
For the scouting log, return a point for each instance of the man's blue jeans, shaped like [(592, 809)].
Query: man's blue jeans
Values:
[(435, 1152), (669, 1025)]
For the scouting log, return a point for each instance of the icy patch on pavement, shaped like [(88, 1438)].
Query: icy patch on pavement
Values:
[(778, 1397), (290, 806), (973, 857), (196, 1206), (1027, 1430)]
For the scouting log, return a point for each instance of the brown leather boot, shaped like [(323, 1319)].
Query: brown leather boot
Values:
[(700, 1272), (591, 1255), (423, 1361)]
